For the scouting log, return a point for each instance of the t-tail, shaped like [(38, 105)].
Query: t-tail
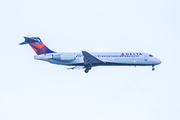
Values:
[(37, 45)]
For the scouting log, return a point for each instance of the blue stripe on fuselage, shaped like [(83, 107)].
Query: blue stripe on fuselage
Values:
[(111, 64)]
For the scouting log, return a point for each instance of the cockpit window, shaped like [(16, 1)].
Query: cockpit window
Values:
[(150, 55)]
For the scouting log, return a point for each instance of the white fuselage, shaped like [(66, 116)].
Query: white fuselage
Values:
[(108, 58)]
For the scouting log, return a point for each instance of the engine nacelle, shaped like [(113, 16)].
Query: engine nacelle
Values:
[(64, 57)]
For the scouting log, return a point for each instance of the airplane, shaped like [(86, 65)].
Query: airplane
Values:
[(87, 60)]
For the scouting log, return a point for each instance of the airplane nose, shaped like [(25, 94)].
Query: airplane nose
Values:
[(158, 61)]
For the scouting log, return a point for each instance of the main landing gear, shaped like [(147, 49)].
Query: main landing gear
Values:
[(86, 70), (153, 68), (88, 67)]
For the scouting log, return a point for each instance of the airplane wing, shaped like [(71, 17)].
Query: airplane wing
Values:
[(89, 61), (88, 58), (76, 67)]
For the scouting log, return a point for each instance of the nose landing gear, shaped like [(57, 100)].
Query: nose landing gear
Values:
[(153, 68)]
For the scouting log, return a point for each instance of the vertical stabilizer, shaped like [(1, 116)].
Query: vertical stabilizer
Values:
[(37, 45)]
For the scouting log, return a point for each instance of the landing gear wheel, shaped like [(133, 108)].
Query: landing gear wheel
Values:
[(153, 67), (86, 71)]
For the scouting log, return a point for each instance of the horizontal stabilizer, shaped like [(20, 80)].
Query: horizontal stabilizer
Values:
[(30, 40), (23, 43)]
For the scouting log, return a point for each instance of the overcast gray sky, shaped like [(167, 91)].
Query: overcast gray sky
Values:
[(37, 90)]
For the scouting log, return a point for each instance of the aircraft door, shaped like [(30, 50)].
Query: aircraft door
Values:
[(145, 58)]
